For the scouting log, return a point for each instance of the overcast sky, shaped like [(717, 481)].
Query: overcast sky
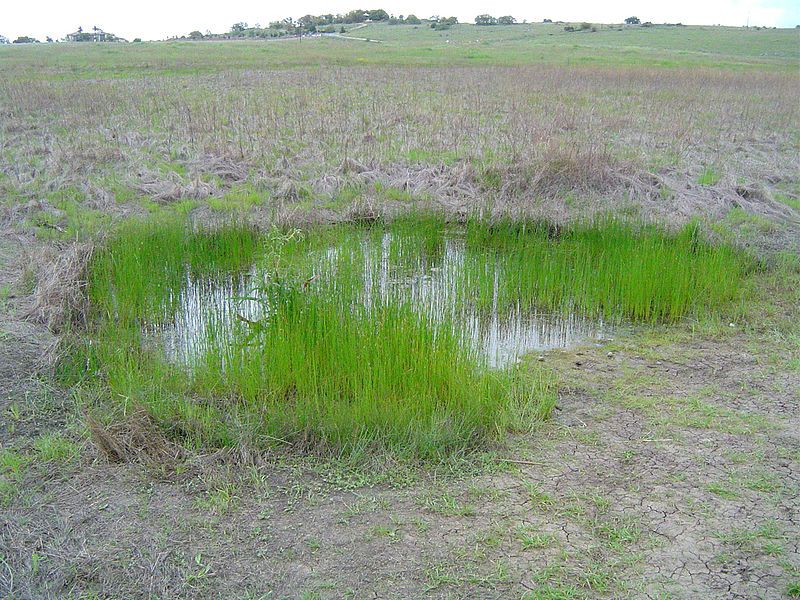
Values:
[(158, 19)]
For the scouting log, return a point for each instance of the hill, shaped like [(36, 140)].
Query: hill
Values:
[(461, 45)]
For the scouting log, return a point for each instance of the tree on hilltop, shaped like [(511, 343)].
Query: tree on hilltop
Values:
[(632, 21), (356, 16), (485, 20), (378, 15)]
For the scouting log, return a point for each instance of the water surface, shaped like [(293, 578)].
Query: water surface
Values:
[(438, 281)]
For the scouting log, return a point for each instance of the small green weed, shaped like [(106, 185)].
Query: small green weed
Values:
[(220, 499), (718, 489), (708, 176), (532, 539), (538, 497), (446, 504)]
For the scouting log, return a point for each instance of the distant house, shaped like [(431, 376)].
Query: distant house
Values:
[(95, 35)]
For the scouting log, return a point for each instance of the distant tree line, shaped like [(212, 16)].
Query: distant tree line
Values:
[(326, 23)]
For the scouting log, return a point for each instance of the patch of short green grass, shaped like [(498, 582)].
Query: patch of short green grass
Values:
[(219, 499), (708, 176), (762, 481), (723, 491), (390, 532), (532, 539), (538, 497), (757, 540), (55, 447), (445, 504), (240, 198), (553, 592), (13, 462), (13, 465), (749, 224), (789, 200), (619, 533)]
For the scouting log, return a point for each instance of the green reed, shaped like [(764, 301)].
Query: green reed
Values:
[(333, 364)]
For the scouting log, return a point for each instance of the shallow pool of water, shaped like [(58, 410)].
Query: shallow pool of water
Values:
[(385, 268)]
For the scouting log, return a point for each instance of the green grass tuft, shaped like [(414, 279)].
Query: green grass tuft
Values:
[(55, 447)]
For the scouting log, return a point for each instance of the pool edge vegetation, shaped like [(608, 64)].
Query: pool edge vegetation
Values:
[(349, 383)]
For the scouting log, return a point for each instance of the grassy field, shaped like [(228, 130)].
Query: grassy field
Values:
[(400, 45), (341, 440)]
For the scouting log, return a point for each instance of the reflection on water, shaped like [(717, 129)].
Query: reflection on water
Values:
[(209, 309)]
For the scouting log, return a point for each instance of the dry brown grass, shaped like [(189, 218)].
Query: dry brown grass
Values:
[(60, 295), (557, 142), (348, 118), (173, 187), (137, 438)]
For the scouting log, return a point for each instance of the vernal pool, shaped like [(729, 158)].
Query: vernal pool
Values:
[(445, 280), (349, 338)]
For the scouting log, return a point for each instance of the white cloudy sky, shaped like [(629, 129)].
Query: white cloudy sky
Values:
[(157, 19)]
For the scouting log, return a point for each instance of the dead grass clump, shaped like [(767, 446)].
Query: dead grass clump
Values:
[(752, 192), (328, 185), (351, 166), (174, 188), (365, 212), (137, 439), (557, 170), (442, 182), (291, 191), (32, 210), (225, 168), (59, 297), (241, 455), (82, 158)]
